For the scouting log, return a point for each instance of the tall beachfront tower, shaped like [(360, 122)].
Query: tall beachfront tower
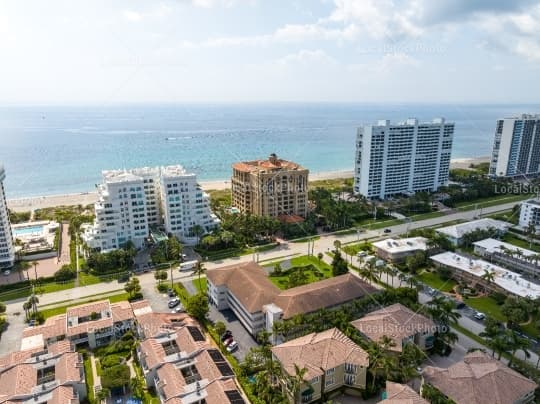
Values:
[(7, 249), (516, 149), (273, 187), (402, 158), (132, 202), (184, 205)]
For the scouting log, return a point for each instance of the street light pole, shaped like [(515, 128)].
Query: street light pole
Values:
[(172, 282)]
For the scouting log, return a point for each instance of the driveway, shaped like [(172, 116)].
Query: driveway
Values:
[(10, 340), (241, 336), (158, 301)]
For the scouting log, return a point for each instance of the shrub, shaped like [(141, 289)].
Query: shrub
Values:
[(162, 287), (111, 360), (135, 297), (65, 273), (115, 376)]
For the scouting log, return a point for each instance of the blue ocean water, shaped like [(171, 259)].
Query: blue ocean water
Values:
[(59, 149)]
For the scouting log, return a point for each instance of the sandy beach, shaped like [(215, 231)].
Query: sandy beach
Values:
[(86, 198)]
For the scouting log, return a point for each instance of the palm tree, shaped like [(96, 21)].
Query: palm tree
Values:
[(296, 381), (33, 301), (199, 270), (488, 276), (443, 311), (197, 231), (26, 307), (24, 266), (531, 232), (320, 256), (517, 343), (35, 264)]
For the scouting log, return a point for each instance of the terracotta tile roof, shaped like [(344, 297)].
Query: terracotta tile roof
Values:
[(14, 358), (90, 326), (60, 347), (395, 321), (323, 294), (53, 327), (479, 379), (318, 352), (401, 394), (122, 311), (20, 379), (154, 353), (63, 395), (248, 282), (87, 309), (266, 165), (174, 385), (68, 368), (153, 324)]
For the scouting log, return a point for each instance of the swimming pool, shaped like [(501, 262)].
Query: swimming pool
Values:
[(25, 231)]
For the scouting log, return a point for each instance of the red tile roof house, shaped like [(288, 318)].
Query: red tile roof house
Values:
[(92, 324), (400, 324), (179, 361), (331, 360), (54, 375), (258, 303), (478, 379)]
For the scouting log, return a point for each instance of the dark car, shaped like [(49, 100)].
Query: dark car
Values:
[(387, 231), (460, 305), (226, 335), (171, 293)]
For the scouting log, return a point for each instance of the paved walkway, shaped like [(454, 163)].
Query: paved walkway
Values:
[(63, 254), (97, 379)]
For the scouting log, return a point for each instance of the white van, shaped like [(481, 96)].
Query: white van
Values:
[(188, 265)]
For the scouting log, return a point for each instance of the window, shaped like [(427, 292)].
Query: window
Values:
[(315, 380), (329, 381), (350, 379), (330, 371)]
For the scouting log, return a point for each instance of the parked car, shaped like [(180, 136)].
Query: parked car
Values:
[(179, 309), (228, 341), (460, 305), (174, 302), (387, 231), (479, 316), (226, 335), (32, 323), (232, 347), (6, 273), (171, 293)]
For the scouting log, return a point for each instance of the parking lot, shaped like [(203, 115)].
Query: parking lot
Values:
[(241, 336)]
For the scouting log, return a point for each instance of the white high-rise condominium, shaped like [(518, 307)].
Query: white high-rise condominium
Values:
[(7, 249), (516, 149), (402, 158), (530, 213), (131, 202)]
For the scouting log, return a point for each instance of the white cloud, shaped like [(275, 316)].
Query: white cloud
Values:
[(159, 12), (215, 3), (305, 56), (132, 16)]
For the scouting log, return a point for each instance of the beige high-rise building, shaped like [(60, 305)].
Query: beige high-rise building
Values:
[(273, 187)]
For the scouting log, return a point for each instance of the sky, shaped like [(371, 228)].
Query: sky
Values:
[(102, 51)]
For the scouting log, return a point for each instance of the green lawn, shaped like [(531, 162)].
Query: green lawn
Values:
[(353, 249), (62, 309), (202, 286), (303, 261), (435, 281), (428, 215), (490, 201), (509, 238), (487, 306), (305, 239), (89, 379), (88, 279)]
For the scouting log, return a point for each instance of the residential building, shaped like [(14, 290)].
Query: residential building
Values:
[(54, 376), (478, 273), (530, 213), (397, 250), (131, 202), (92, 324), (519, 259), (396, 393), (273, 187), (479, 378), (402, 158), (516, 148), (181, 364), (332, 361), (455, 232), (7, 248), (399, 323), (184, 205), (258, 303)]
